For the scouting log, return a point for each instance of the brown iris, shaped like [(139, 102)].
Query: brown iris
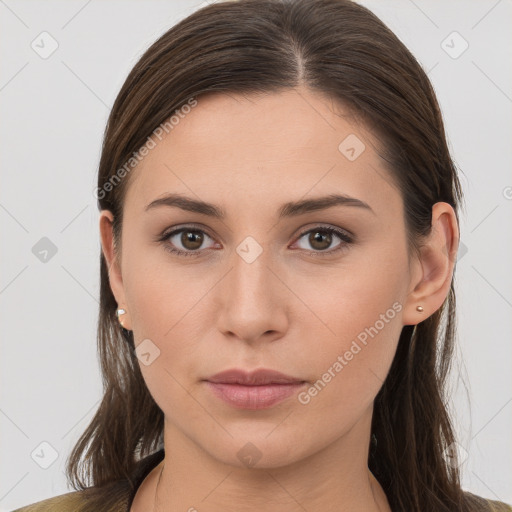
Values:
[(194, 238), (320, 237)]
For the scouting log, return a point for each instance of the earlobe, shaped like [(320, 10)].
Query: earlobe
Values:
[(434, 270)]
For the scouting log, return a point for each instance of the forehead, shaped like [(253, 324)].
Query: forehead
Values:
[(278, 145)]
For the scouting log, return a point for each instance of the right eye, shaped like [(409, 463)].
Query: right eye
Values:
[(190, 239)]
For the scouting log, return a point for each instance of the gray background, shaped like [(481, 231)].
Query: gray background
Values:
[(53, 114)]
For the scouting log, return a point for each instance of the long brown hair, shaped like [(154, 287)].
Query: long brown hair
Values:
[(341, 49)]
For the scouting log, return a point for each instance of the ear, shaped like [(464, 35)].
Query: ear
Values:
[(113, 265), (432, 272)]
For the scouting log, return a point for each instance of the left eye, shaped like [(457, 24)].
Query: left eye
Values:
[(320, 239)]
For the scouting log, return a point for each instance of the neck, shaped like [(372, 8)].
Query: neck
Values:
[(335, 479)]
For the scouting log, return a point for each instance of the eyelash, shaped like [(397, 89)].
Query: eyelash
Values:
[(345, 238)]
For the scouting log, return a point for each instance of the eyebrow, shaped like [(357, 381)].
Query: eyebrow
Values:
[(290, 209)]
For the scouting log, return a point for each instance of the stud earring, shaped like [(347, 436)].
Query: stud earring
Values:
[(120, 312), (419, 308)]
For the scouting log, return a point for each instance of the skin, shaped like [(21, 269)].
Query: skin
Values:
[(288, 310)]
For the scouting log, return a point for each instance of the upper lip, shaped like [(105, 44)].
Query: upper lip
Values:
[(255, 378)]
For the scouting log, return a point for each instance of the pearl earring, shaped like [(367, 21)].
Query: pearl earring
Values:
[(419, 308), (120, 312)]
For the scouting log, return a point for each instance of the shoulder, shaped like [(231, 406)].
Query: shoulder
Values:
[(486, 505), (112, 497), (115, 496), (63, 503)]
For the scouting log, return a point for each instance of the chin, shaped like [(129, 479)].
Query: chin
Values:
[(257, 449)]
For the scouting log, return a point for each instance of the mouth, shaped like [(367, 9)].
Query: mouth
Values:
[(259, 389)]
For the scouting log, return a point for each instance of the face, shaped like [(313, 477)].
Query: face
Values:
[(319, 294)]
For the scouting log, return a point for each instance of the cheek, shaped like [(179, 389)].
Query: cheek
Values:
[(156, 291), (350, 372), (164, 308), (363, 322), (163, 312)]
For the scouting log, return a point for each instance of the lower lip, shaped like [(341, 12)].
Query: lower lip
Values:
[(253, 397)]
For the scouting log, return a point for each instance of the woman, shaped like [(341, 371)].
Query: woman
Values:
[(279, 229)]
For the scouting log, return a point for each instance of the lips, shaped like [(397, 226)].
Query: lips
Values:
[(255, 378), (259, 389)]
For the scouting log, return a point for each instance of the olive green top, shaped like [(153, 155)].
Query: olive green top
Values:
[(114, 497)]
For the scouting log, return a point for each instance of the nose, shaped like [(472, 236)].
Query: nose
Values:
[(252, 300)]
